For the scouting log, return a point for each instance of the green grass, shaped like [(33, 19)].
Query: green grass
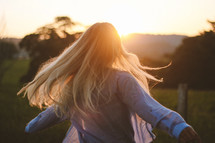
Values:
[(15, 112), (200, 112)]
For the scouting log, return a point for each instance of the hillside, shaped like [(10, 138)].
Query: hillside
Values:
[(15, 41), (144, 45), (152, 46)]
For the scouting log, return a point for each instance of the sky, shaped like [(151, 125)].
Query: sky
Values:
[(184, 17)]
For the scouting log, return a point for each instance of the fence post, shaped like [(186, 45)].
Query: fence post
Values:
[(182, 100)]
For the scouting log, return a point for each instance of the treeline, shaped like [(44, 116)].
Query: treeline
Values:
[(193, 62), (7, 51), (47, 42)]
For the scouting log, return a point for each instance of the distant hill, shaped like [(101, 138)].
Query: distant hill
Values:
[(15, 41), (152, 46), (143, 45), (22, 53)]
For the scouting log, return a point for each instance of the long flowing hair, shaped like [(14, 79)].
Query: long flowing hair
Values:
[(69, 80)]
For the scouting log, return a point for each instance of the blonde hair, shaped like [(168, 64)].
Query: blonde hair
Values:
[(68, 81)]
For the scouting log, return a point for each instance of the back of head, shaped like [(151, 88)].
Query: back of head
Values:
[(103, 45)]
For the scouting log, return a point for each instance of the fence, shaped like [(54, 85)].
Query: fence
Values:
[(182, 100)]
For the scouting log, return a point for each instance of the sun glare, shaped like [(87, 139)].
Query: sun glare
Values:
[(124, 18)]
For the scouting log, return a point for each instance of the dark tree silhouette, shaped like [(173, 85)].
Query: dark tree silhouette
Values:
[(47, 42), (7, 51), (194, 62)]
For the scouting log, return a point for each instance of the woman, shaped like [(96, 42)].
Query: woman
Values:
[(103, 90)]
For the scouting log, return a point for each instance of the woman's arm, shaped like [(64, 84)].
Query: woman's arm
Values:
[(44, 120), (134, 96)]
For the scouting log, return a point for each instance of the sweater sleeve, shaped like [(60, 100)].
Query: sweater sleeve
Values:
[(147, 108), (44, 120)]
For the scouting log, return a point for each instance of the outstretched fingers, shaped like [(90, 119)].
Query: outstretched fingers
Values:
[(188, 135)]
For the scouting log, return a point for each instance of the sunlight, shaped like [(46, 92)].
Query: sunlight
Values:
[(126, 19)]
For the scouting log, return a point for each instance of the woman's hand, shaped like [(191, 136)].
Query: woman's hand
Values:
[(188, 135)]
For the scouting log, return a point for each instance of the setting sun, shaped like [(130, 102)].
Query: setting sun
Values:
[(124, 18)]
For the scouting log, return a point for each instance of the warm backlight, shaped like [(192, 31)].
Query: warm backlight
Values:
[(124, 18)]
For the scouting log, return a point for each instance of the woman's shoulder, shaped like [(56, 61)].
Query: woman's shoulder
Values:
[(123, 75)]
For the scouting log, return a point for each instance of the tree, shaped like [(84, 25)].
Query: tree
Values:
[(194, 62), (47, 42), (7, 51)]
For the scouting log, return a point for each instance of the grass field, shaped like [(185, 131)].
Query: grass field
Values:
[(15, 112)]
